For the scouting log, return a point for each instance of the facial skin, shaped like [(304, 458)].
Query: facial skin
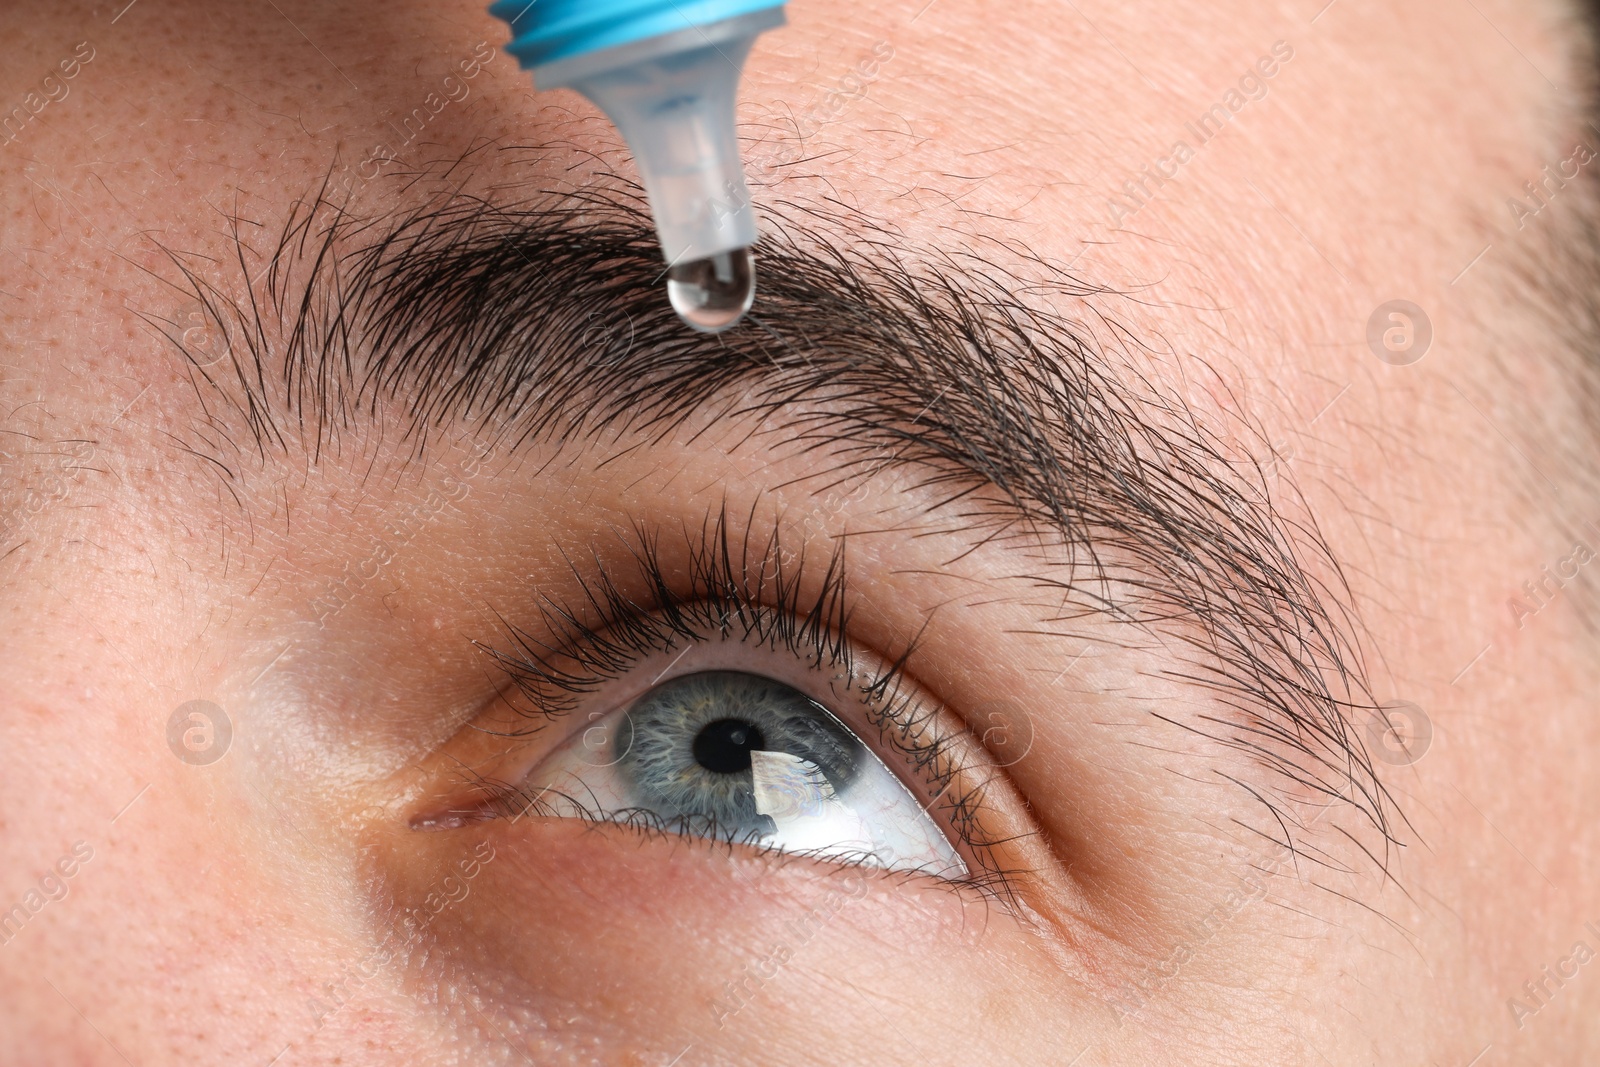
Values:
[(335, 595)]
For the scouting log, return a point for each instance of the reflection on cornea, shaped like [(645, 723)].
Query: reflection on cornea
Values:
[(795, 794)]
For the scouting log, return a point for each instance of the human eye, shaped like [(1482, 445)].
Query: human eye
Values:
[(734, 705), (748, 759)]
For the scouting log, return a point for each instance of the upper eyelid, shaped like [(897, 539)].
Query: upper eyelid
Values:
[(767, 603), (736, 582)]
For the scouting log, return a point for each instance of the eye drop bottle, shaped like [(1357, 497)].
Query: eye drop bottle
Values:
[(666, 72)]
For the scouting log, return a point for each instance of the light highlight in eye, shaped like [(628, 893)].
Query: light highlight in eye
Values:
[(738, 757)]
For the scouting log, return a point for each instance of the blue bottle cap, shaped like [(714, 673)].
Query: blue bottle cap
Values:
[(544, 31)]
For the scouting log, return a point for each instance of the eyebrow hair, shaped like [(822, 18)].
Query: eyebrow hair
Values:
[(467, 312)]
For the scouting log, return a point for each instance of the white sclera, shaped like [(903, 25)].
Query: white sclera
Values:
[(876, 820), (871, 824)]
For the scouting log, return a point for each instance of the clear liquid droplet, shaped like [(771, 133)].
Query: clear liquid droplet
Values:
[(712, 294)]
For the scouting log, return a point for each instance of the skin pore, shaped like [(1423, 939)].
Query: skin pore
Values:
[(1150, 241)]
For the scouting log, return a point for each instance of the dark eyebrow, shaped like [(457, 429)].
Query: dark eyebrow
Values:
[(547, 316)]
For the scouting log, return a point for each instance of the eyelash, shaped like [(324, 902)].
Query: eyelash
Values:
[(733, 587)]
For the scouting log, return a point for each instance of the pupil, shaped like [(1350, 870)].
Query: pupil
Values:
[(724, 746)]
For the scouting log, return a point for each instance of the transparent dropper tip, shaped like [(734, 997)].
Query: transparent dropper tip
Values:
[(712, 294), (672, 98)]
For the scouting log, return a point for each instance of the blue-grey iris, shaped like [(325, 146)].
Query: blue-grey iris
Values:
[(684, 747)]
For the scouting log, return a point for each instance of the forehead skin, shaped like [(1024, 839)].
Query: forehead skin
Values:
[(1374, 163)]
